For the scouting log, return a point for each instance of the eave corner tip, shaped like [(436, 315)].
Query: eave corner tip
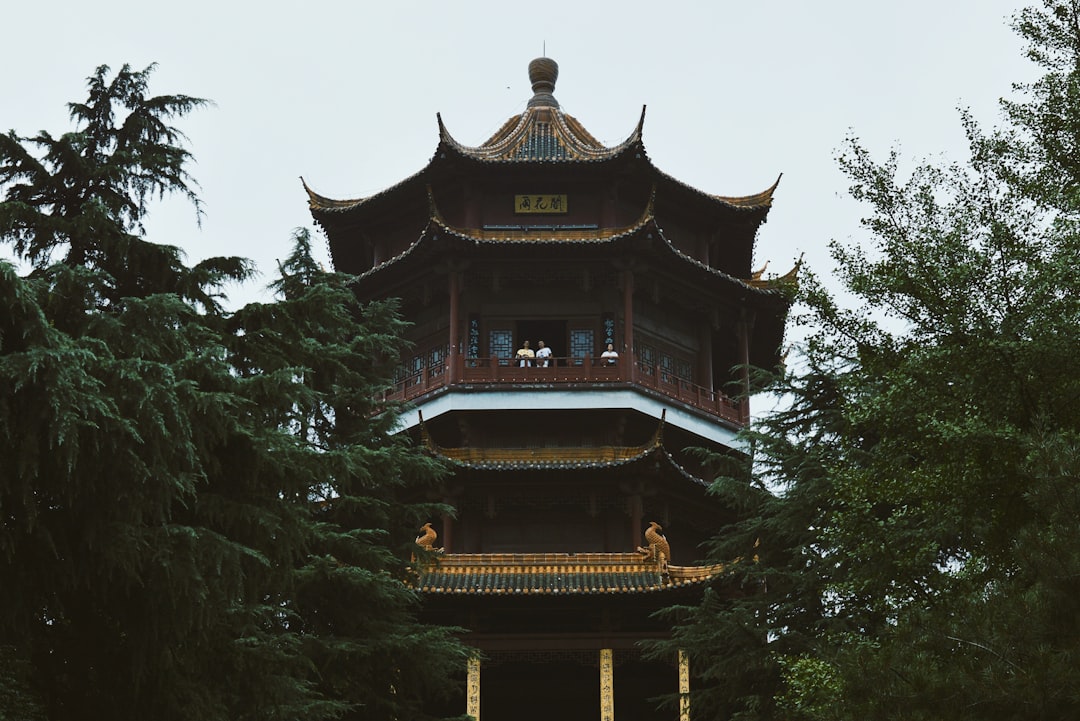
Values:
[(640, 124)]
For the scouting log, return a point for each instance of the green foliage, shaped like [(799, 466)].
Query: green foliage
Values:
[(916, 502), (200, 511)]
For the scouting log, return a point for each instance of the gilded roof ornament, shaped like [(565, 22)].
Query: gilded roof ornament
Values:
[(543, 72), (543, 132)]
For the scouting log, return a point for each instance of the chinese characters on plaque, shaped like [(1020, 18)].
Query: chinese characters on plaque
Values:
[(540, 203)]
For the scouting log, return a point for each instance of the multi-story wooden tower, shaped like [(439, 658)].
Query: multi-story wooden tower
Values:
[(565, 465)]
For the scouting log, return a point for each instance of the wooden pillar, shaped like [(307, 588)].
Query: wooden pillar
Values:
[(684, 685), (472, 689), (607, 686), (628, 313), (452, 364), (745, 324), (705, 357)]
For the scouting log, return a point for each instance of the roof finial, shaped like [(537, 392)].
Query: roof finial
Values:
[(543, 72)]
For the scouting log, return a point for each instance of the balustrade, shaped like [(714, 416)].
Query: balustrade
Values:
[(566, 371)]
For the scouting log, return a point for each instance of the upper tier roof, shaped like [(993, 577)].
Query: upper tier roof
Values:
[(542, 134)]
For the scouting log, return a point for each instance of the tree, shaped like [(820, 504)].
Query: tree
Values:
[(923, 484), (189, 498)]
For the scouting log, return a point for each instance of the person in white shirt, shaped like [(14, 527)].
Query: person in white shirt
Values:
[(610, 356), (543, 355)]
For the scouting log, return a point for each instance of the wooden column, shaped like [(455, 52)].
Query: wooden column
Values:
[(684, 686), (607, 686), (453, 283), (705, 359), (472, 689), (746, 322), (628, 314)]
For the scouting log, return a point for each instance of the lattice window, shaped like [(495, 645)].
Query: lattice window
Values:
[(581, 344), (416, 369), (682, 370), (648, 359), (437, 359), (667, 368), (501, 344)]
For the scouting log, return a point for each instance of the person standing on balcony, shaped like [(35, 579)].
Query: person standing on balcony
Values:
[(543, 355), (611, 356), (525, 355)]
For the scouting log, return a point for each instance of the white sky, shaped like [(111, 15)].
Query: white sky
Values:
[(345, 94)]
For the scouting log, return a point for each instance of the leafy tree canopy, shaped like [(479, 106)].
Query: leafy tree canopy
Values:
[(916, 502)]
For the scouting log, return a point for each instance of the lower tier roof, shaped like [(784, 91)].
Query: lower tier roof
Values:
[(531, 574)]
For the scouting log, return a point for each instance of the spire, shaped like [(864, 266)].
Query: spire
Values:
[(543, 72)]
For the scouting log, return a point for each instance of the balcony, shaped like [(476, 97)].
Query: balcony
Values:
[(567, 372)]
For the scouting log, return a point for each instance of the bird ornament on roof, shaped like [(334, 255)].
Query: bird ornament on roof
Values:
[(658, 549)]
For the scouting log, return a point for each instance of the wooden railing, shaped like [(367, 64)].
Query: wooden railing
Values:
[(564, 372)]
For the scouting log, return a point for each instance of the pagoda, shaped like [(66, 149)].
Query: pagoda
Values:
[(578, 511)]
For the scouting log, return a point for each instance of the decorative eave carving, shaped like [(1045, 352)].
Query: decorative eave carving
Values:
[(786, 282)]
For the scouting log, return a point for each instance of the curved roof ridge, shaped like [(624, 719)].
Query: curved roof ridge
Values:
[(540, 134), (400, 256), (619, 454), (755, 201), (317, 201), (747, 283), (525, 237), (788, 279)]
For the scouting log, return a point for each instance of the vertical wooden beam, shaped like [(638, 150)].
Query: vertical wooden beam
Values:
[(628, 316), (472, 691), (452, 364), (607, 686), (705, 357), (743, 333), (684, 685)]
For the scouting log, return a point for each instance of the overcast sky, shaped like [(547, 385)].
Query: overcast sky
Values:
[(345, 94)]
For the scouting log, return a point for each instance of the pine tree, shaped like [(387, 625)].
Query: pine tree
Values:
[(199, 514)]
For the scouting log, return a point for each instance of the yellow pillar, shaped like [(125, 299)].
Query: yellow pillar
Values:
[(607, 686), (472, 691), (684, 685)]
